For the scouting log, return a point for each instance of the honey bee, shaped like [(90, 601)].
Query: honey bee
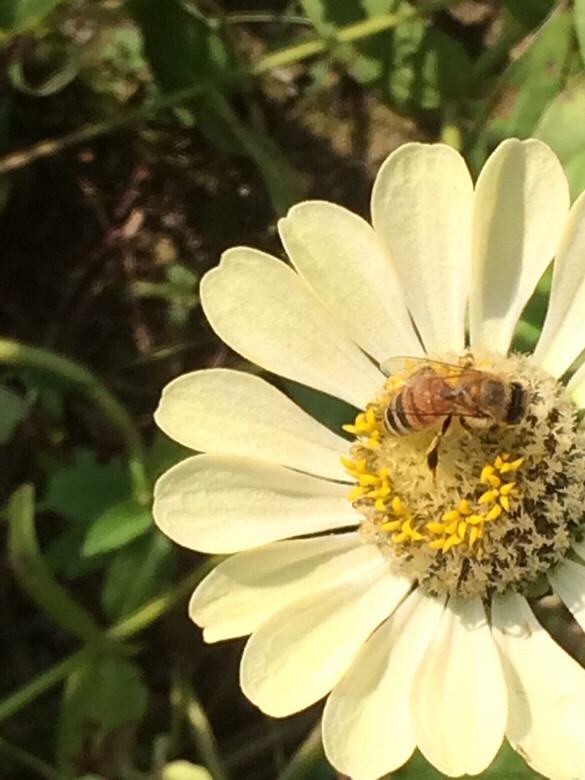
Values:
[(433, 392)]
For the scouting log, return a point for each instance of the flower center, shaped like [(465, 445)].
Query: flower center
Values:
[(470, 474)]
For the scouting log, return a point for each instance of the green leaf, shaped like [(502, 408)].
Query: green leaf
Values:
[(579, 18), (164, 453), (506, 766), (15, 15), (13, 409), (84, 489), (575, 170), (532, 81), (333, 412), (119, 525), (562, 127), (100, 699), (137, 573), (528, 14)]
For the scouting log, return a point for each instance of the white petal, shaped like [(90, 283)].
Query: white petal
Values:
[(262, 309), (299, 654), (546, 690), (421, 209), (224, 503), (521, 203), (341, 258), (248, 588), (579, 548), (568, 581), (458, 700), (366, 721), (220, 410), (563, 334), (576, 387)]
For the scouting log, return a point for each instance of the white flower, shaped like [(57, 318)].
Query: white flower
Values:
[(416, 627)]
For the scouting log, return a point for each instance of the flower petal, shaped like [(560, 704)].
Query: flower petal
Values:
[(262, 309), (224, 503), (366, 721), (299, 654), (220, 410), (579, 548), (563, 335), (568, 581), (341, 258), (421, 209), (248, 588), (458, 700), (546, 689), (521, 203), (576, 387)]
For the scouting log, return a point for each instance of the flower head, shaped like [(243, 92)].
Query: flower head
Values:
[(392, 571)]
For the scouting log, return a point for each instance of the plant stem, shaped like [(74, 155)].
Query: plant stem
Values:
[(142, 618)]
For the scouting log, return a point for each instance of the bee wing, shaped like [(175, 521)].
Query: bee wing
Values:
[(401, 364), (407, 366)]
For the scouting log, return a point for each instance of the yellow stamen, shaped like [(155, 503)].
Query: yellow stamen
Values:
[(515, 464), (390, 525), (494, 512), (452, 541), (435, 527)]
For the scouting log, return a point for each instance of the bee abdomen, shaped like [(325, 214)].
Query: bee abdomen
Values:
[(395, 417), (517, 404)]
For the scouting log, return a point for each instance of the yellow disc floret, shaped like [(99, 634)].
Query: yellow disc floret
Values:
[(490, 515)]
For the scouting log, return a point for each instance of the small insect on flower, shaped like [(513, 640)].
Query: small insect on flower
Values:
[(429, 391)]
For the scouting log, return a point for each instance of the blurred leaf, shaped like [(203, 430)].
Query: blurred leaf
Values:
[(575, 170), (579, 17), (100, 699), (528, 14), (136, 574), (17, 14), (530, 325), (164, 453), (13, 409), (34, 575), (532, 81), (331, 411), (84, 489), (422, 68), (198, 55), (506, 766), (119, 525), (185, 770), (562, 127)]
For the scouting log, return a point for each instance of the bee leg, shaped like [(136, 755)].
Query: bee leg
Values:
[(433, 450), (467, 360), (465, 425)]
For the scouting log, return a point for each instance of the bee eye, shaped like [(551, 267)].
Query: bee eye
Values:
[(517, 404)]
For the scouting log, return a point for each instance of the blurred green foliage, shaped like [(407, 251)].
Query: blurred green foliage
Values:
[(85, 559)]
